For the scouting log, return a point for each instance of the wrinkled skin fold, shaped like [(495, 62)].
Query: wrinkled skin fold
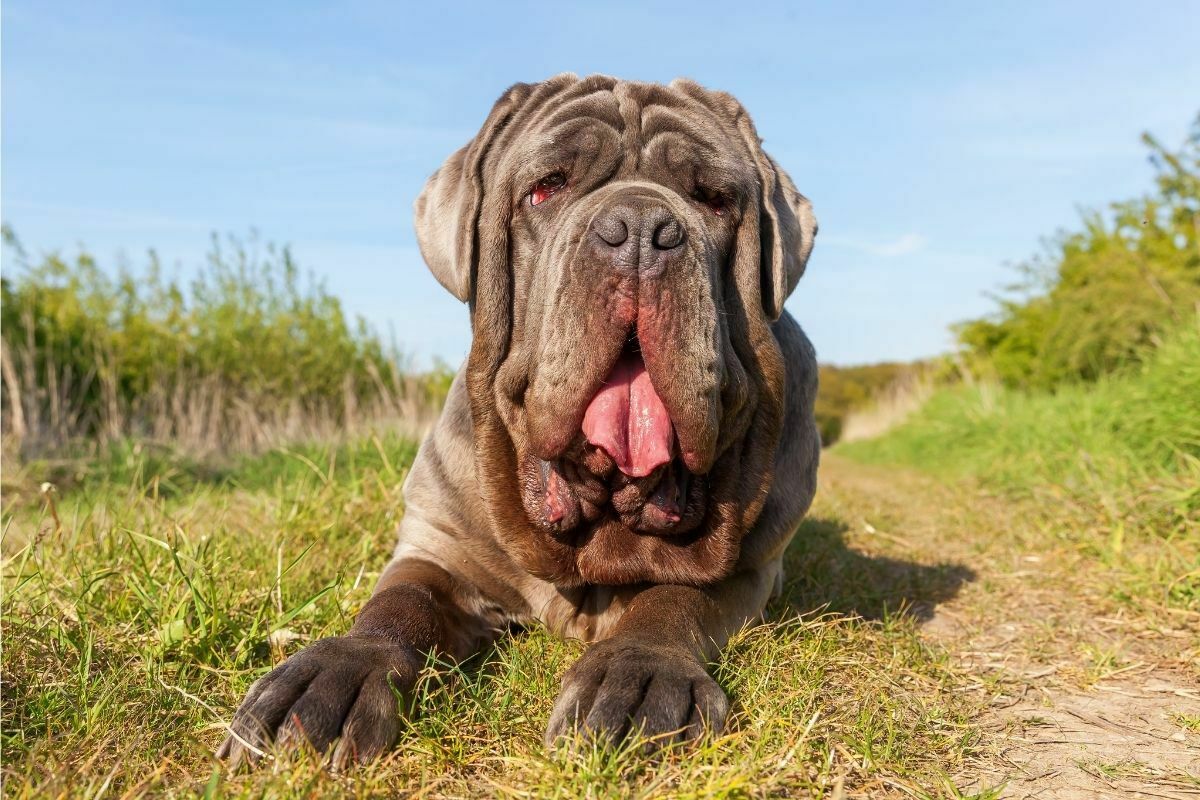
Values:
[(630, 444)]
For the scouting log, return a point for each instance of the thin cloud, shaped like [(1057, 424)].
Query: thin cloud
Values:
[(903, 245)]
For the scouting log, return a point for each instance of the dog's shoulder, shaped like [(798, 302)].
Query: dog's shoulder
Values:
[(798, 455), (801, 359)]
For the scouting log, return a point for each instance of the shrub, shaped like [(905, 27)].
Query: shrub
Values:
[(248, 353), (1098, 299)]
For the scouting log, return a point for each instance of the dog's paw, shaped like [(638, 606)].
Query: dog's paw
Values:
[(621, 688), (344, 689)]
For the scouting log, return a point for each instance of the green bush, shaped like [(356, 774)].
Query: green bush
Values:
[(248, 352), (1101, 297)]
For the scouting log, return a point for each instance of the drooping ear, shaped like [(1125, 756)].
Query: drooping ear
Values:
[(787, 226), (787, 242), (446, 215)]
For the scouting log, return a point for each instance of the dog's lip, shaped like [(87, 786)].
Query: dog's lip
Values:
[(569, 494), (552, 407)]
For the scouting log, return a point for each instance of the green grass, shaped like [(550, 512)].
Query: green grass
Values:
[(1115, 464), (248, 352), (133, 625), (163, 471)]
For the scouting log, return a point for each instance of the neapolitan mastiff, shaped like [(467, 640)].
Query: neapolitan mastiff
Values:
[(630, 444)]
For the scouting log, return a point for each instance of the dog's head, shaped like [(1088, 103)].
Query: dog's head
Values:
[(624, 248)]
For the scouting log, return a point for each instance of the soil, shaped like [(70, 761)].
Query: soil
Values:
[(1083, 694)]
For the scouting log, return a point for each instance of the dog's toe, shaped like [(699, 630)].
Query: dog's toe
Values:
[(621, 689)]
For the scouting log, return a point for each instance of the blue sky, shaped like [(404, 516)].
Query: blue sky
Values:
[(938, 141)]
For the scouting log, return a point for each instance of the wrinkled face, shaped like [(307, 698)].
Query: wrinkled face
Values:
[(623, 361), (621, 373)]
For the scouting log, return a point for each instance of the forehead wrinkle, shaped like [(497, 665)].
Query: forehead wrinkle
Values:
[(672, 143), (600, 106), (554, 146), (659, 119), (631, 112), (698, 155), (584, 91), (543, 96)]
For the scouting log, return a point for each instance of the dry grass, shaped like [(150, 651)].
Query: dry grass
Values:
[(201, 414), (245, 355), (890, 407), (1078, 659)]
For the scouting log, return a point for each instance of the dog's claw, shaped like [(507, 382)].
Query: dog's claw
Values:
[(342, 689), (619, 689)]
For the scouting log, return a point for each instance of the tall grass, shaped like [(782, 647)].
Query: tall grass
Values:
[(845, 391), (1137, 426), (1123, 452), (247, 354)]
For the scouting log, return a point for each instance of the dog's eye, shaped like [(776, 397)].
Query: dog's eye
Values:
[(546, 187), (714, 200)]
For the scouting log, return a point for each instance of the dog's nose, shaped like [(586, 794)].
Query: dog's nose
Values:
[(668, 235), (641, 236), (612, 230)]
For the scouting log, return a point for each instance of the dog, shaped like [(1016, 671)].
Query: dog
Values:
[(630, 444)]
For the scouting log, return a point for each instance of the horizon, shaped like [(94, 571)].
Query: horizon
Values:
[(937, 148)]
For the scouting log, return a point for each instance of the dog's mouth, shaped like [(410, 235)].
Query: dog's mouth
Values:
[(624, 463), (628, 420)]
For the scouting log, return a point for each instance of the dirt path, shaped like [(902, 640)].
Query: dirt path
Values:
[(1083, 694)]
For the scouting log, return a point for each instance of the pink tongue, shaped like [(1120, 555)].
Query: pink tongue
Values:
[(628, 419)]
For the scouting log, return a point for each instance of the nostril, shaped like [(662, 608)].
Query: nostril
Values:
[(668, 235), (612, 231)]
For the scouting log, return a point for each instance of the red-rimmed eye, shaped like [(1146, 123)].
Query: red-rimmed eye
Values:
[(546, 187), (714, 200)]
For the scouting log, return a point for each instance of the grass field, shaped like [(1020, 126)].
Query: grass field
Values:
[(996, 593), (146, 594), (135, 621)]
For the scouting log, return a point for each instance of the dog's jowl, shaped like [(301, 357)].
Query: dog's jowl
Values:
[(630, 444)]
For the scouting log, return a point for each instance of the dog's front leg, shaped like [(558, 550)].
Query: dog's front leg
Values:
[(349, 688), (651, 675)]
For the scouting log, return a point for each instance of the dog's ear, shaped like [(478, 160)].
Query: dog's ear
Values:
[(447, 213), (787, 228)]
